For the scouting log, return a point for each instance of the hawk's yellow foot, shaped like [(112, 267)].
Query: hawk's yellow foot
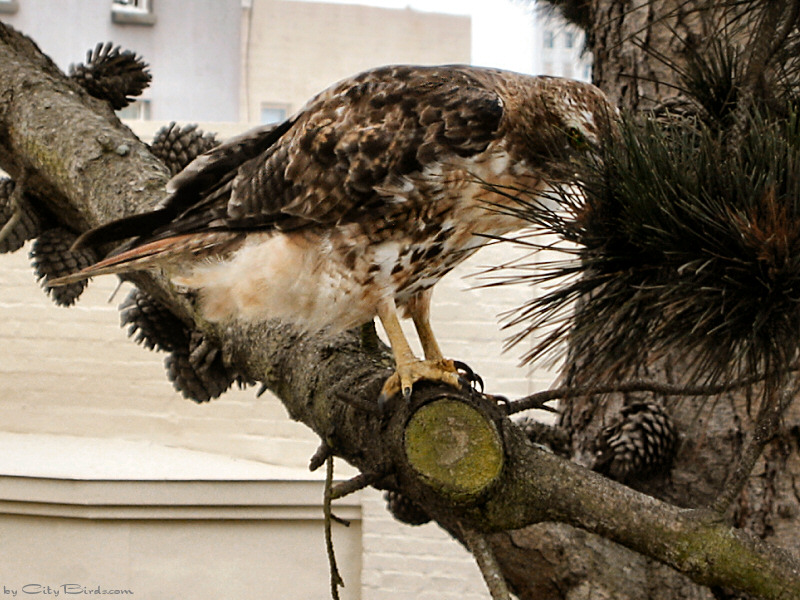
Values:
[(409, 372)]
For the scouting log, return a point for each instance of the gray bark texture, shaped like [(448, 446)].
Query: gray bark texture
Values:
[(591, 536)]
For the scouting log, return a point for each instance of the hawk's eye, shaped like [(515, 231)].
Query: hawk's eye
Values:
[(576, 137)]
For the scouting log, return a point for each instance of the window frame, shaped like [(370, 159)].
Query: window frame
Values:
[(8, 7), (123, 13), (141, 106), (285, 107)]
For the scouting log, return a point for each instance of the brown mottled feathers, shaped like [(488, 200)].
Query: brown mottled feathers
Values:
[(325, 164), (352, 154)]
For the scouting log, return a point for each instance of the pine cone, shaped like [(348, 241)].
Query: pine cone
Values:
[(178, 146), (26, 228), (641, 442), (112, 74), (553, 438), (198, 370), (52, 257), (404, 510), (151, 323)]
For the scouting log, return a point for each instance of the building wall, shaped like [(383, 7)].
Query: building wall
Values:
[(296, 49), (79, 515), (559, 49), (192, 48)]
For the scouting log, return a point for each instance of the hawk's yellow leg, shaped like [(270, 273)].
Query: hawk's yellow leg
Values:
[(409, 369)]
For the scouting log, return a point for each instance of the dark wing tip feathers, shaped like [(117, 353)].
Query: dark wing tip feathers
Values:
[(200, 175), (121, 229), (207, 168)]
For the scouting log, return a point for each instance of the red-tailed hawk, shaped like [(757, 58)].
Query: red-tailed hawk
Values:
[(359, 203)]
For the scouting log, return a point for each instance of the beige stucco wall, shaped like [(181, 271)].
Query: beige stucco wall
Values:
[(292, 50)]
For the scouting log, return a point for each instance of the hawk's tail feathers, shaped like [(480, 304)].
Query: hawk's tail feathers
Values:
[(142, 257), (127, 227)]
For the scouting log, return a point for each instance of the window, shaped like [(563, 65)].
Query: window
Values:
[(549, 39), (138, 110), (569, 39), (132, 12), (132, 5), (272, 112), (8, 7)]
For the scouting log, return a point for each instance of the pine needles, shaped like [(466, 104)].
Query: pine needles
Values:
[(680, 244)]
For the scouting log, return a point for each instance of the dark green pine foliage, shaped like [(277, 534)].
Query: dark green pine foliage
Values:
[(678, 242), (682, 237)]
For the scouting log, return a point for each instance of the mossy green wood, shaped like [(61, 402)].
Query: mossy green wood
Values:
[(455, 448)]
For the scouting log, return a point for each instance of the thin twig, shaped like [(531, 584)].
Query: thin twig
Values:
[(776, 400), (336, 577), (538, 399), (359, 482), (340, 520), (487, 563)]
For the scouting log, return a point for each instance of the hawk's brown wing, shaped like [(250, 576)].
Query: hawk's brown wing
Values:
[(328, 162)]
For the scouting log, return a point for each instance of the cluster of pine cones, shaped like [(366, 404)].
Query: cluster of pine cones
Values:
[(195, 365)]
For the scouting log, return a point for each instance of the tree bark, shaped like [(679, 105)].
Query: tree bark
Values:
[(454, 453)]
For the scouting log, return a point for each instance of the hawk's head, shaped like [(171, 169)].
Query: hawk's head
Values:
[(558, 119)]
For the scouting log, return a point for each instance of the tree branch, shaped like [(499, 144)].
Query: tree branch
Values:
[(538, 399), (89, 168)]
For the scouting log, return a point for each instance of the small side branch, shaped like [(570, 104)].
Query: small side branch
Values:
[(359, 482), (336, 577), (487, 562), (321, 455), (776, 401), (538, 400)]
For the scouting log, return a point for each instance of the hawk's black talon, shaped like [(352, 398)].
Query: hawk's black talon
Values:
[(407, 393), (471, 377), (382, 400)]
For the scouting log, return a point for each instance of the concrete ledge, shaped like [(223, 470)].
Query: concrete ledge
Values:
[(96, 478), (85, 514)]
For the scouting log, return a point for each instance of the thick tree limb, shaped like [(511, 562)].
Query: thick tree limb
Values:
[(71, 151)]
